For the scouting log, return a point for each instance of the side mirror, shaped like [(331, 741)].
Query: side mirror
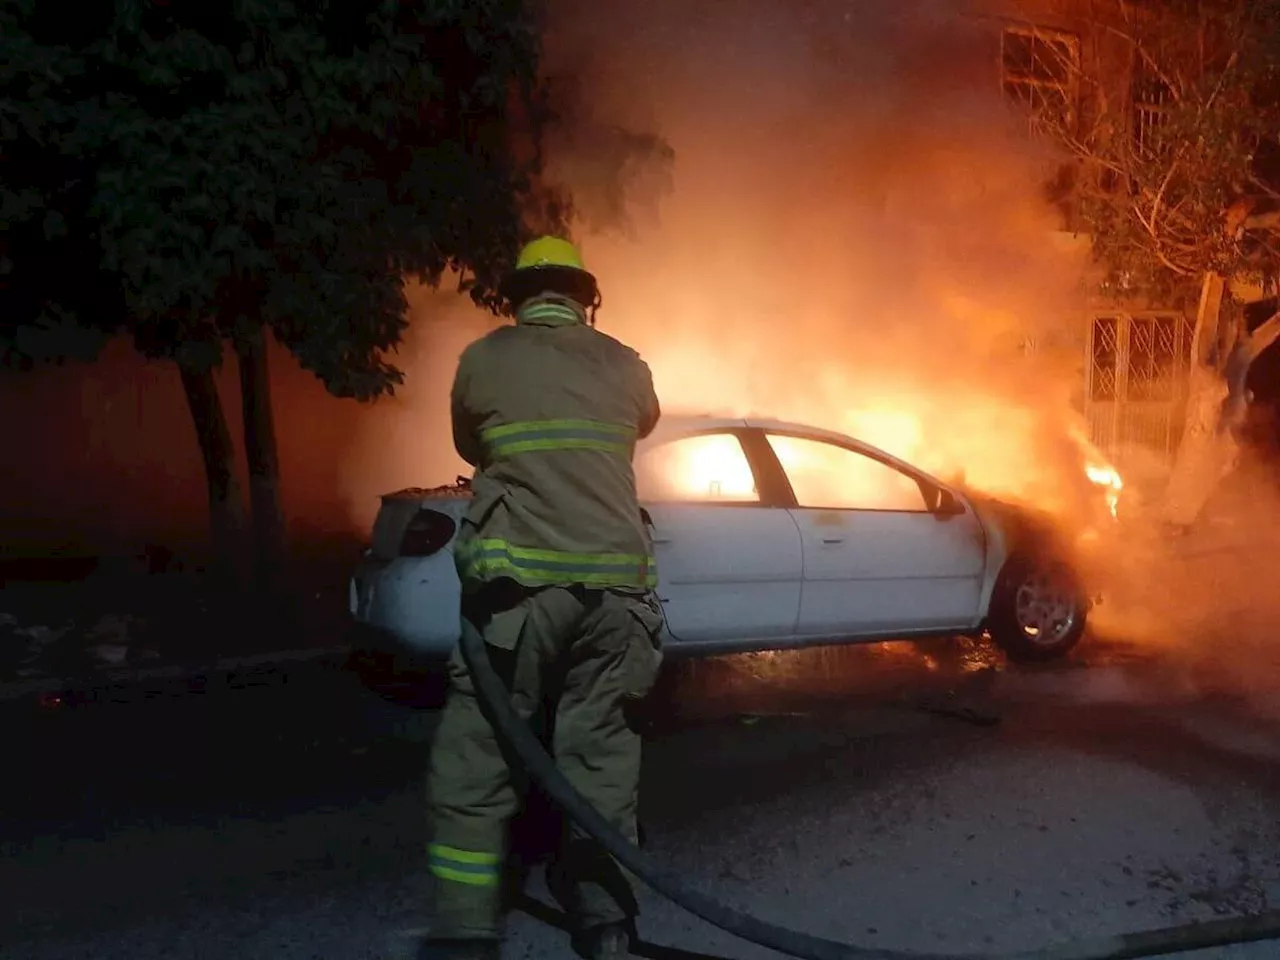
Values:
[(948, 505)]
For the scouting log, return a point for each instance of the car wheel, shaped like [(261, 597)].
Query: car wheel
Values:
[(1038, 609)]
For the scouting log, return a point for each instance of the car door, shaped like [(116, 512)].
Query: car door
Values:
[(878, 557), (729, 558)]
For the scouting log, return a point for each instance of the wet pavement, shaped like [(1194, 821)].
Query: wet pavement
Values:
[(900, 796)]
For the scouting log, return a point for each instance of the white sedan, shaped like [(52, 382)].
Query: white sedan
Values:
[(769, 536)]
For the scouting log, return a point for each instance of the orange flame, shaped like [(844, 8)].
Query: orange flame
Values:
[(1107, 476), (702, 468), (715, 468)]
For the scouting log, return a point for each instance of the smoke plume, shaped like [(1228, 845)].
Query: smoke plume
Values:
[(853, 234)]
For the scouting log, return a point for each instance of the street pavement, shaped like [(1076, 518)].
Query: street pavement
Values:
[(896, 796)]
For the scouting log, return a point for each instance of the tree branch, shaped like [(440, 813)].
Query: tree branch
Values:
[(1217, 89), (1264, 187), (1263, 221), (1263, 337), (1164, 185), (1175, 89), (1157, 245)]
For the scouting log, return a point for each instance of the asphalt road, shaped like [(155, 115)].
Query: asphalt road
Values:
[(868, 798)]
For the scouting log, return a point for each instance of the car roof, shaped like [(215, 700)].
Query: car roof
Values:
[(678, 423), (671, 426)]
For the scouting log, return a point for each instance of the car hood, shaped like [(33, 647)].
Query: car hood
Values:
[(1026, 527)]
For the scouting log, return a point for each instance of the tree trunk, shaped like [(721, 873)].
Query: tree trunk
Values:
[(1217, 402), (1207, 453), (226, 509), (270, 542)]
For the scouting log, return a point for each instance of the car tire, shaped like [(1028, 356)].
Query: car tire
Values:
[(1038, 609)]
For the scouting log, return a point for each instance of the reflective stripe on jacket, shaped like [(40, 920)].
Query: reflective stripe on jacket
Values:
[(549, 411), (523, 436)]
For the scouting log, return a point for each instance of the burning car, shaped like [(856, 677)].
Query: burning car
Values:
[(768, 536)]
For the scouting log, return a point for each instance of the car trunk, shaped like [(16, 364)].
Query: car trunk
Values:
[(400, 509)]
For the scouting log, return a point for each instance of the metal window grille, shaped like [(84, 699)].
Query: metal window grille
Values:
[(1039, 72), (1136, 386), (1151, 102)]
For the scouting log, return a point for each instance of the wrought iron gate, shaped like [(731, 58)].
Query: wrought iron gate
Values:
[(1136, 389)]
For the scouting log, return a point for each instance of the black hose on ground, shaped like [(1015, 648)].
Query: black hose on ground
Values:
[(496, 702)]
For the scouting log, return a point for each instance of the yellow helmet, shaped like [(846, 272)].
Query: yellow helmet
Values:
[(550, 265), (549, 252)]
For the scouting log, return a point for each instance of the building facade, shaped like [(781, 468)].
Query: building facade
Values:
[(1134, 355)]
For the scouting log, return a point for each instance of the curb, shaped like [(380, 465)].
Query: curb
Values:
[(40, 686)]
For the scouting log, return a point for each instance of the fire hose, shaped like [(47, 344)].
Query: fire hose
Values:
[(496, 702)]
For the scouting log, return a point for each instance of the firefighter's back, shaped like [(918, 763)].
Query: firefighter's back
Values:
[(558, 410)]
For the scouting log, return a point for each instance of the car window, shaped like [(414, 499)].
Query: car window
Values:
[(827, 476), (707, 468)]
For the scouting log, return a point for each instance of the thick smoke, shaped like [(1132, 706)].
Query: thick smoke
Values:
[(855, 236)]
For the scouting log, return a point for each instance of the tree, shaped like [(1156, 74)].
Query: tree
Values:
[(196, 175), (1176, 134)]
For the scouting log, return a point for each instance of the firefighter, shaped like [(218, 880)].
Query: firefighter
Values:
[(558, 576)]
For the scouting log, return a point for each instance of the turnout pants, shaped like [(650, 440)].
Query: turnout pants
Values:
[(596, 653)]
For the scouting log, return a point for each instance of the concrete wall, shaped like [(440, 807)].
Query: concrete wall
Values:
[(103, 456)]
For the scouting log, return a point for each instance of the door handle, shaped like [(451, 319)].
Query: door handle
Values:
[(660, 540), (833, 540)]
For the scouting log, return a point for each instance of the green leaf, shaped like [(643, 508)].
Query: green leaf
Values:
[(197, 168)]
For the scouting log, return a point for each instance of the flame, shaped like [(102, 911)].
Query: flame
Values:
[(1105, 475), (716, 468), (878, 272), (828, 476), (702, 468)]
